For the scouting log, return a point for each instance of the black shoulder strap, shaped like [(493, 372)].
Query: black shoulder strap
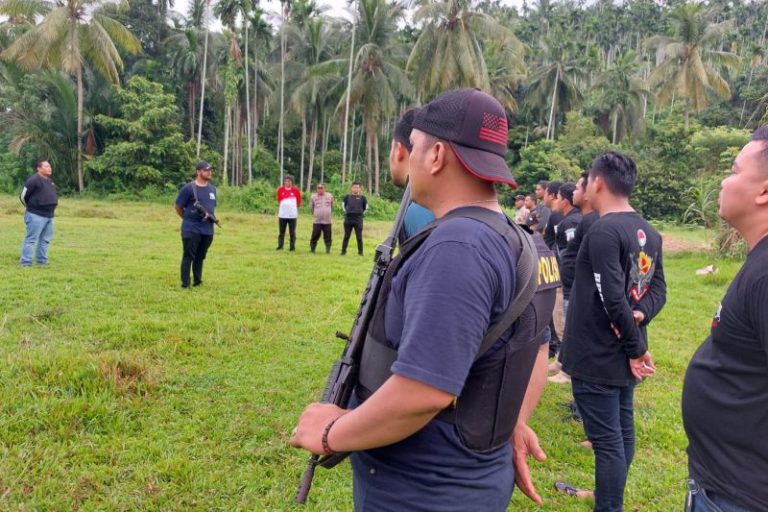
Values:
[(525, 275)]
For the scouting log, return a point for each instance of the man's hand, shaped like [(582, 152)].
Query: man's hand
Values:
[(308, 434), (643, 366), (526, 443), (639, 316)]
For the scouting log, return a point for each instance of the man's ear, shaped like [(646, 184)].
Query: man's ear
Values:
[(439, 157), (401, 154), (762, 194)]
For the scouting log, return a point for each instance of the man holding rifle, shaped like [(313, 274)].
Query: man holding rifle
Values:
[(442, 373), (196, 205)]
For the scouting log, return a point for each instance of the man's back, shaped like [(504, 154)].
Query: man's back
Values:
[(618, 270)]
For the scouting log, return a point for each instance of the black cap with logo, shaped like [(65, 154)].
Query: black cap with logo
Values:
[(475, 125)]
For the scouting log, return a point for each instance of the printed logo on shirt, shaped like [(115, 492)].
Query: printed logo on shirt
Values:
[(641, 273), (716, 318), (641, 238), (570, 234), (599, 285), (211, 196)]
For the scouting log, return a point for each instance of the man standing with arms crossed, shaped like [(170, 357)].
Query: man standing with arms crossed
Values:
[(618, 289), (40, 200), (354, 205), (725, 394)]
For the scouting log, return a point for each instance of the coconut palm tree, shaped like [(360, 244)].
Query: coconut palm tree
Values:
[(449, 51), (554, 83), (377, 82), (312, 49), (689, 70), (623, 94), (70, 35)]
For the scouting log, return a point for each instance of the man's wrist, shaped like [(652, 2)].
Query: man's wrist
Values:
[(327, 450)]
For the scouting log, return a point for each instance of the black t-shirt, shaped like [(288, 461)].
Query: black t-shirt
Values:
[(725, 394), (618, 270), (354, 207), (568, 256), (549, 232), (565, 230), (39, 196)]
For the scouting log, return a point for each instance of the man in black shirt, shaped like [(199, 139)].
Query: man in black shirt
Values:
[(725, 394), (550, 201), (589, 216), (40, 200), (540, 213), (553, 218), (618, 289), (354, 206)]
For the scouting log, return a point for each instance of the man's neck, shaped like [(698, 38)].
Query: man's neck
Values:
[(486, 201), (566, 210), (753, 233), (201, 183), (585, 208), (42, 175), (615, 205)]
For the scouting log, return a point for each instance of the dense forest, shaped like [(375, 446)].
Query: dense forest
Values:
[(124, 97)]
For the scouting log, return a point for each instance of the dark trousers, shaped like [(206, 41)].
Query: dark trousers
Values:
[(325, 229), (291, 223), (195, 248), (700, 500), (357, 225), (607, 413)]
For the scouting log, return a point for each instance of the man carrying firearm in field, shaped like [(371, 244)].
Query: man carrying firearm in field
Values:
[(453, 355), (196, 205)]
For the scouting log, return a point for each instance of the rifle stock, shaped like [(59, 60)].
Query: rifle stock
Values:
[(343, 376)]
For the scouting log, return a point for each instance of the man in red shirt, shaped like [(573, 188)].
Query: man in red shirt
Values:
[(289, 201)]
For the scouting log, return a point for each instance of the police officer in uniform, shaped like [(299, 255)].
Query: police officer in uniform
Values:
[(431, 430)]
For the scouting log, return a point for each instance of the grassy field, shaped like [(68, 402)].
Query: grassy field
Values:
[(121, 391)]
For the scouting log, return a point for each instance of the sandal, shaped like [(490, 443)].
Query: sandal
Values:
[(568, 489)]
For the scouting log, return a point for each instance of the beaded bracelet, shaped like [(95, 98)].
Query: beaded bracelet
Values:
[(327, 450)]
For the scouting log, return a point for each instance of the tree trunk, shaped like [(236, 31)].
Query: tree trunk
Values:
[(303, 145), (325, 148), (368, 148), (312, 144), (202, 91), (227, 116), (615, 125), (255, 106), (282, 98), (376, 163), (749, 82), (346, 111), (80, 180), (247, 105), (550, 127), (191, 108)]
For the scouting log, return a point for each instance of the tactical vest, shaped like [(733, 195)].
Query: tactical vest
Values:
[(486, 411)]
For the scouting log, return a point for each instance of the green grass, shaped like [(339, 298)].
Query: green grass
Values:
[(121, 391)]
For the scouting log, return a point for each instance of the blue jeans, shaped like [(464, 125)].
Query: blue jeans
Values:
[(709, 501), (607, 413), (40, 234)]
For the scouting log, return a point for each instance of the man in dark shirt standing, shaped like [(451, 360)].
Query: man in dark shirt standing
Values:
[(354, 206), (540, 214), (550, 201), (40, 200), (449, 285), (196, 205), (725, 394), (565, 231), (618, 289)]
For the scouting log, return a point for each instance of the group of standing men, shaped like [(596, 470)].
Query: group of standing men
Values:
[(354, 206), (419, 438)]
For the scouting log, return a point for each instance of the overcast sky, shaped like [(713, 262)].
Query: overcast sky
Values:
[(336, 8)]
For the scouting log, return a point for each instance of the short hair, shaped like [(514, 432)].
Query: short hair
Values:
[(287, 177), (520, 197), (566, 191), (585, 177), (553, 187), (321, 185), (543, 184), (357, 183), (39, 162), (761, 135), (404, 127), (617, 170)]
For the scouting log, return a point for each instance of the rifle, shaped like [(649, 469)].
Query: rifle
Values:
[(201, 209), (343, 377)]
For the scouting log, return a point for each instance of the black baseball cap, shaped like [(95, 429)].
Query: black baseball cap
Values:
[(475, 125), (203, 166)]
